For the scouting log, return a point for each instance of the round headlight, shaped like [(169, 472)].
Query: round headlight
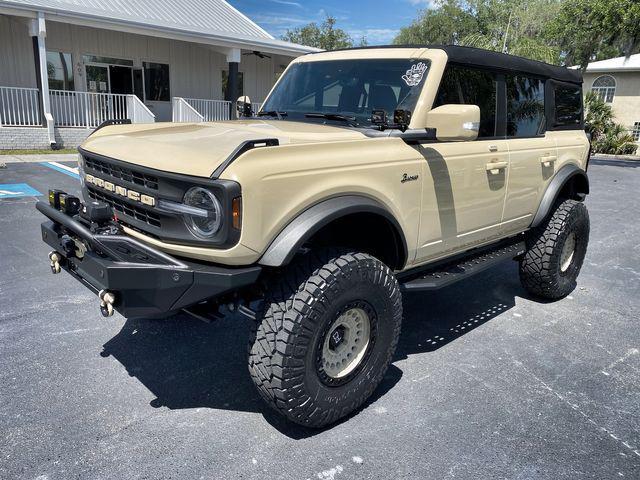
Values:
[(207, 222)]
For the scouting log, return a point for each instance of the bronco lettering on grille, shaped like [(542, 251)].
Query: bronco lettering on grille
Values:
[(122, 191)]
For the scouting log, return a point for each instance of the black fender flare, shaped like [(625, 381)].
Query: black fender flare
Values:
[(301, 228), (550, 195)]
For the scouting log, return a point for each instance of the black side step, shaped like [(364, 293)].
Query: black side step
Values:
[(438, 276)]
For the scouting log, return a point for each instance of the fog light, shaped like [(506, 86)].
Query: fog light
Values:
[(69, 204), (97, 212), (54, 198)]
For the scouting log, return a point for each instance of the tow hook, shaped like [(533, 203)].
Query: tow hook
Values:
[(107, 299), (54, 258)]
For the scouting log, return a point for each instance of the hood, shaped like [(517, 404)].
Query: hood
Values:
[(199, 148)]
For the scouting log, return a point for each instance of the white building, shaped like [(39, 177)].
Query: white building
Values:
[(617, 81), (68, 65)]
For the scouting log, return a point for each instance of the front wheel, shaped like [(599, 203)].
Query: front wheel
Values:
[(325, 335), (555, 251)]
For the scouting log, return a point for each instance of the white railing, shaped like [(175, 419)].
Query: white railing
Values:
[(138, 111), (86, 109), (181, 111), (203, 110), (20, 107), (90, 109), (211, 110)]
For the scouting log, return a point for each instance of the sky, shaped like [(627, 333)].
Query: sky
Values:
[(379, 21)]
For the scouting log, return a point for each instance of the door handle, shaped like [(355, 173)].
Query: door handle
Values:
[(495, 167), (493, 148), (547, 160)]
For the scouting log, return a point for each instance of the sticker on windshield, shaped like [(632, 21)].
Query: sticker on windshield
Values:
[(414, 75)]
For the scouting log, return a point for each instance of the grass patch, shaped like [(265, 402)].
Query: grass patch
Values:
[(37, 152)]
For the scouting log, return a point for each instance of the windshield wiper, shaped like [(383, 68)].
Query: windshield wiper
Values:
[(334, 116), (273, 113)]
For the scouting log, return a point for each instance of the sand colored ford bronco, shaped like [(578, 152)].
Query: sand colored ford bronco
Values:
[(367, 173)]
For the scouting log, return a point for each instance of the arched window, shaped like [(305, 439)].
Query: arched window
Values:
[(605, 87)]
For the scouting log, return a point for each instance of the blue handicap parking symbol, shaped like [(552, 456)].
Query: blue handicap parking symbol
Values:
[(17, 190)]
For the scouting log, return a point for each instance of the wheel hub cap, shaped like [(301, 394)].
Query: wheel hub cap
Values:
[(346, 343), (568, 249)]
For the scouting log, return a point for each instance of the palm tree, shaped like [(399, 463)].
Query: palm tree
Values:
[(522, 46)]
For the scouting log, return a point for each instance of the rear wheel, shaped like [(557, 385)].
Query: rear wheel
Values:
[(325, 335), (555, 251)]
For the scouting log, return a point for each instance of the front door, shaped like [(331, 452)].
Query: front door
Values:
[(463, 195), (464, 183), (97, 78), (121, 79)]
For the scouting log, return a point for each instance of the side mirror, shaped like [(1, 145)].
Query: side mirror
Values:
[(243, 107), (455, 123)]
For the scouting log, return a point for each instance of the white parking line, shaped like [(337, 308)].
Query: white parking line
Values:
[(64, 167)]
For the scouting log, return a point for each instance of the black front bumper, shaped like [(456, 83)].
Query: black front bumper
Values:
[(146, 282)]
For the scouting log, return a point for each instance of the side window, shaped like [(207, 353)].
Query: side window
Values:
[(470, 86), (60, 71), (225, 83), (525, 106), (635, 132), (605, 87), (156, 81), (568, 102)]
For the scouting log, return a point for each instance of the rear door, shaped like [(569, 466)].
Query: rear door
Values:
[(532, 151)]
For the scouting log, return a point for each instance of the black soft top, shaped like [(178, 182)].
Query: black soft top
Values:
[(501, 61), (479, 57)]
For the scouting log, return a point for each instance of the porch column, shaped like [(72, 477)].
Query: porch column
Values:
[(38, 30), (233, 59)]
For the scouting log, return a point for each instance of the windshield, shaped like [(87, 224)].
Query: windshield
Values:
[(351, 88)]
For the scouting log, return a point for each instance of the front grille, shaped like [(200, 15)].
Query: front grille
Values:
[(122, 173), (123, 207)]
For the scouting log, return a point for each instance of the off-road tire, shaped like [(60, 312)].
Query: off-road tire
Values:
[(541, 266), (300, 306)]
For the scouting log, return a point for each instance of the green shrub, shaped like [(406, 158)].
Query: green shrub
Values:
[(606, 135)]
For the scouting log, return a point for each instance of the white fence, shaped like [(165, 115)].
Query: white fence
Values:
[(211, 110), (20, 107), (184, 112), (138, 111), (89, 109), (203, 110)]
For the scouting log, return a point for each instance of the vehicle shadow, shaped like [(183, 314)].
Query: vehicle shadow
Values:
[(187, 363), (434, 319)]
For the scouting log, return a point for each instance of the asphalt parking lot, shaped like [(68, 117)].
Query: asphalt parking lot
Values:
[(487, 382)]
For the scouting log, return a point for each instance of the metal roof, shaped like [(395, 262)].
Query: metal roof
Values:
[(630, 63), (204, 19)]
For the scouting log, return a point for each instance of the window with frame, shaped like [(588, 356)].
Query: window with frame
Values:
[(225, 84), (107, 60), (156, 82), (471, 86), (635, 132), (525, 106), (353, 88), (605, 87), (60, 71), (568, 105)]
